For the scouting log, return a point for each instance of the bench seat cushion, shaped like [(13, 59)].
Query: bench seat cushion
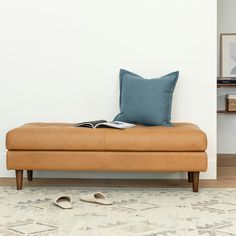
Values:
[(66, 137)]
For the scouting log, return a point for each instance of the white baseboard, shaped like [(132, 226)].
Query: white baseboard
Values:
[(4, 173)]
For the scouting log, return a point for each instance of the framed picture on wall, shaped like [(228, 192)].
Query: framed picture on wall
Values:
[(228, 55)]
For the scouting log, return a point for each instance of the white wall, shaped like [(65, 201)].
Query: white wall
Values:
[(226, 124), (59, 61)]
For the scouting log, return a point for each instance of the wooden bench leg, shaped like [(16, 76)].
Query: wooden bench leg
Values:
[(19, 179), (190, 177), (195, 181), (30, 175)]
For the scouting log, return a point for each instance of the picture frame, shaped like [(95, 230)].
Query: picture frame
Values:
[(228, 55)]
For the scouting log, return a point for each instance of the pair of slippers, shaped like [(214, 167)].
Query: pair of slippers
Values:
[(65, 201)]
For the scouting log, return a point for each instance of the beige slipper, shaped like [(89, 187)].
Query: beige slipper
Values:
[(64, 202), (97, 197)]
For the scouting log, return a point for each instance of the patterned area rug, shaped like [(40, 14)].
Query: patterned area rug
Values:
[(146, 212)]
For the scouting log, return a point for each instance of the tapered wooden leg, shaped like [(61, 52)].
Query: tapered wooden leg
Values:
[(19, 179), (195, 181), (190, 177), (30, 175)]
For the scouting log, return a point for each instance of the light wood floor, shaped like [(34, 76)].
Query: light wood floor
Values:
[(226, 178)]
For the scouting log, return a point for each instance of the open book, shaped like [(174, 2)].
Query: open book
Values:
[(105, 124)]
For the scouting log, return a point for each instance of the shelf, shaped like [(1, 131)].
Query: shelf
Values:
[(226, 112), (219, 85), (226, 85)]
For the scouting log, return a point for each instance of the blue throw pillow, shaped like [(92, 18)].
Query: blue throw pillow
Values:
[(146, 101)]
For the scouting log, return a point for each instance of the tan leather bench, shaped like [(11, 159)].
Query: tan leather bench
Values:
[(58, 146)]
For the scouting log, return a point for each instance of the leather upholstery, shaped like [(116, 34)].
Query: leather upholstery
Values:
[(66, 137), (107, 161)]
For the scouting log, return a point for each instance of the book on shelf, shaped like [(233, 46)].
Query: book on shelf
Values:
[(221, 80)]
